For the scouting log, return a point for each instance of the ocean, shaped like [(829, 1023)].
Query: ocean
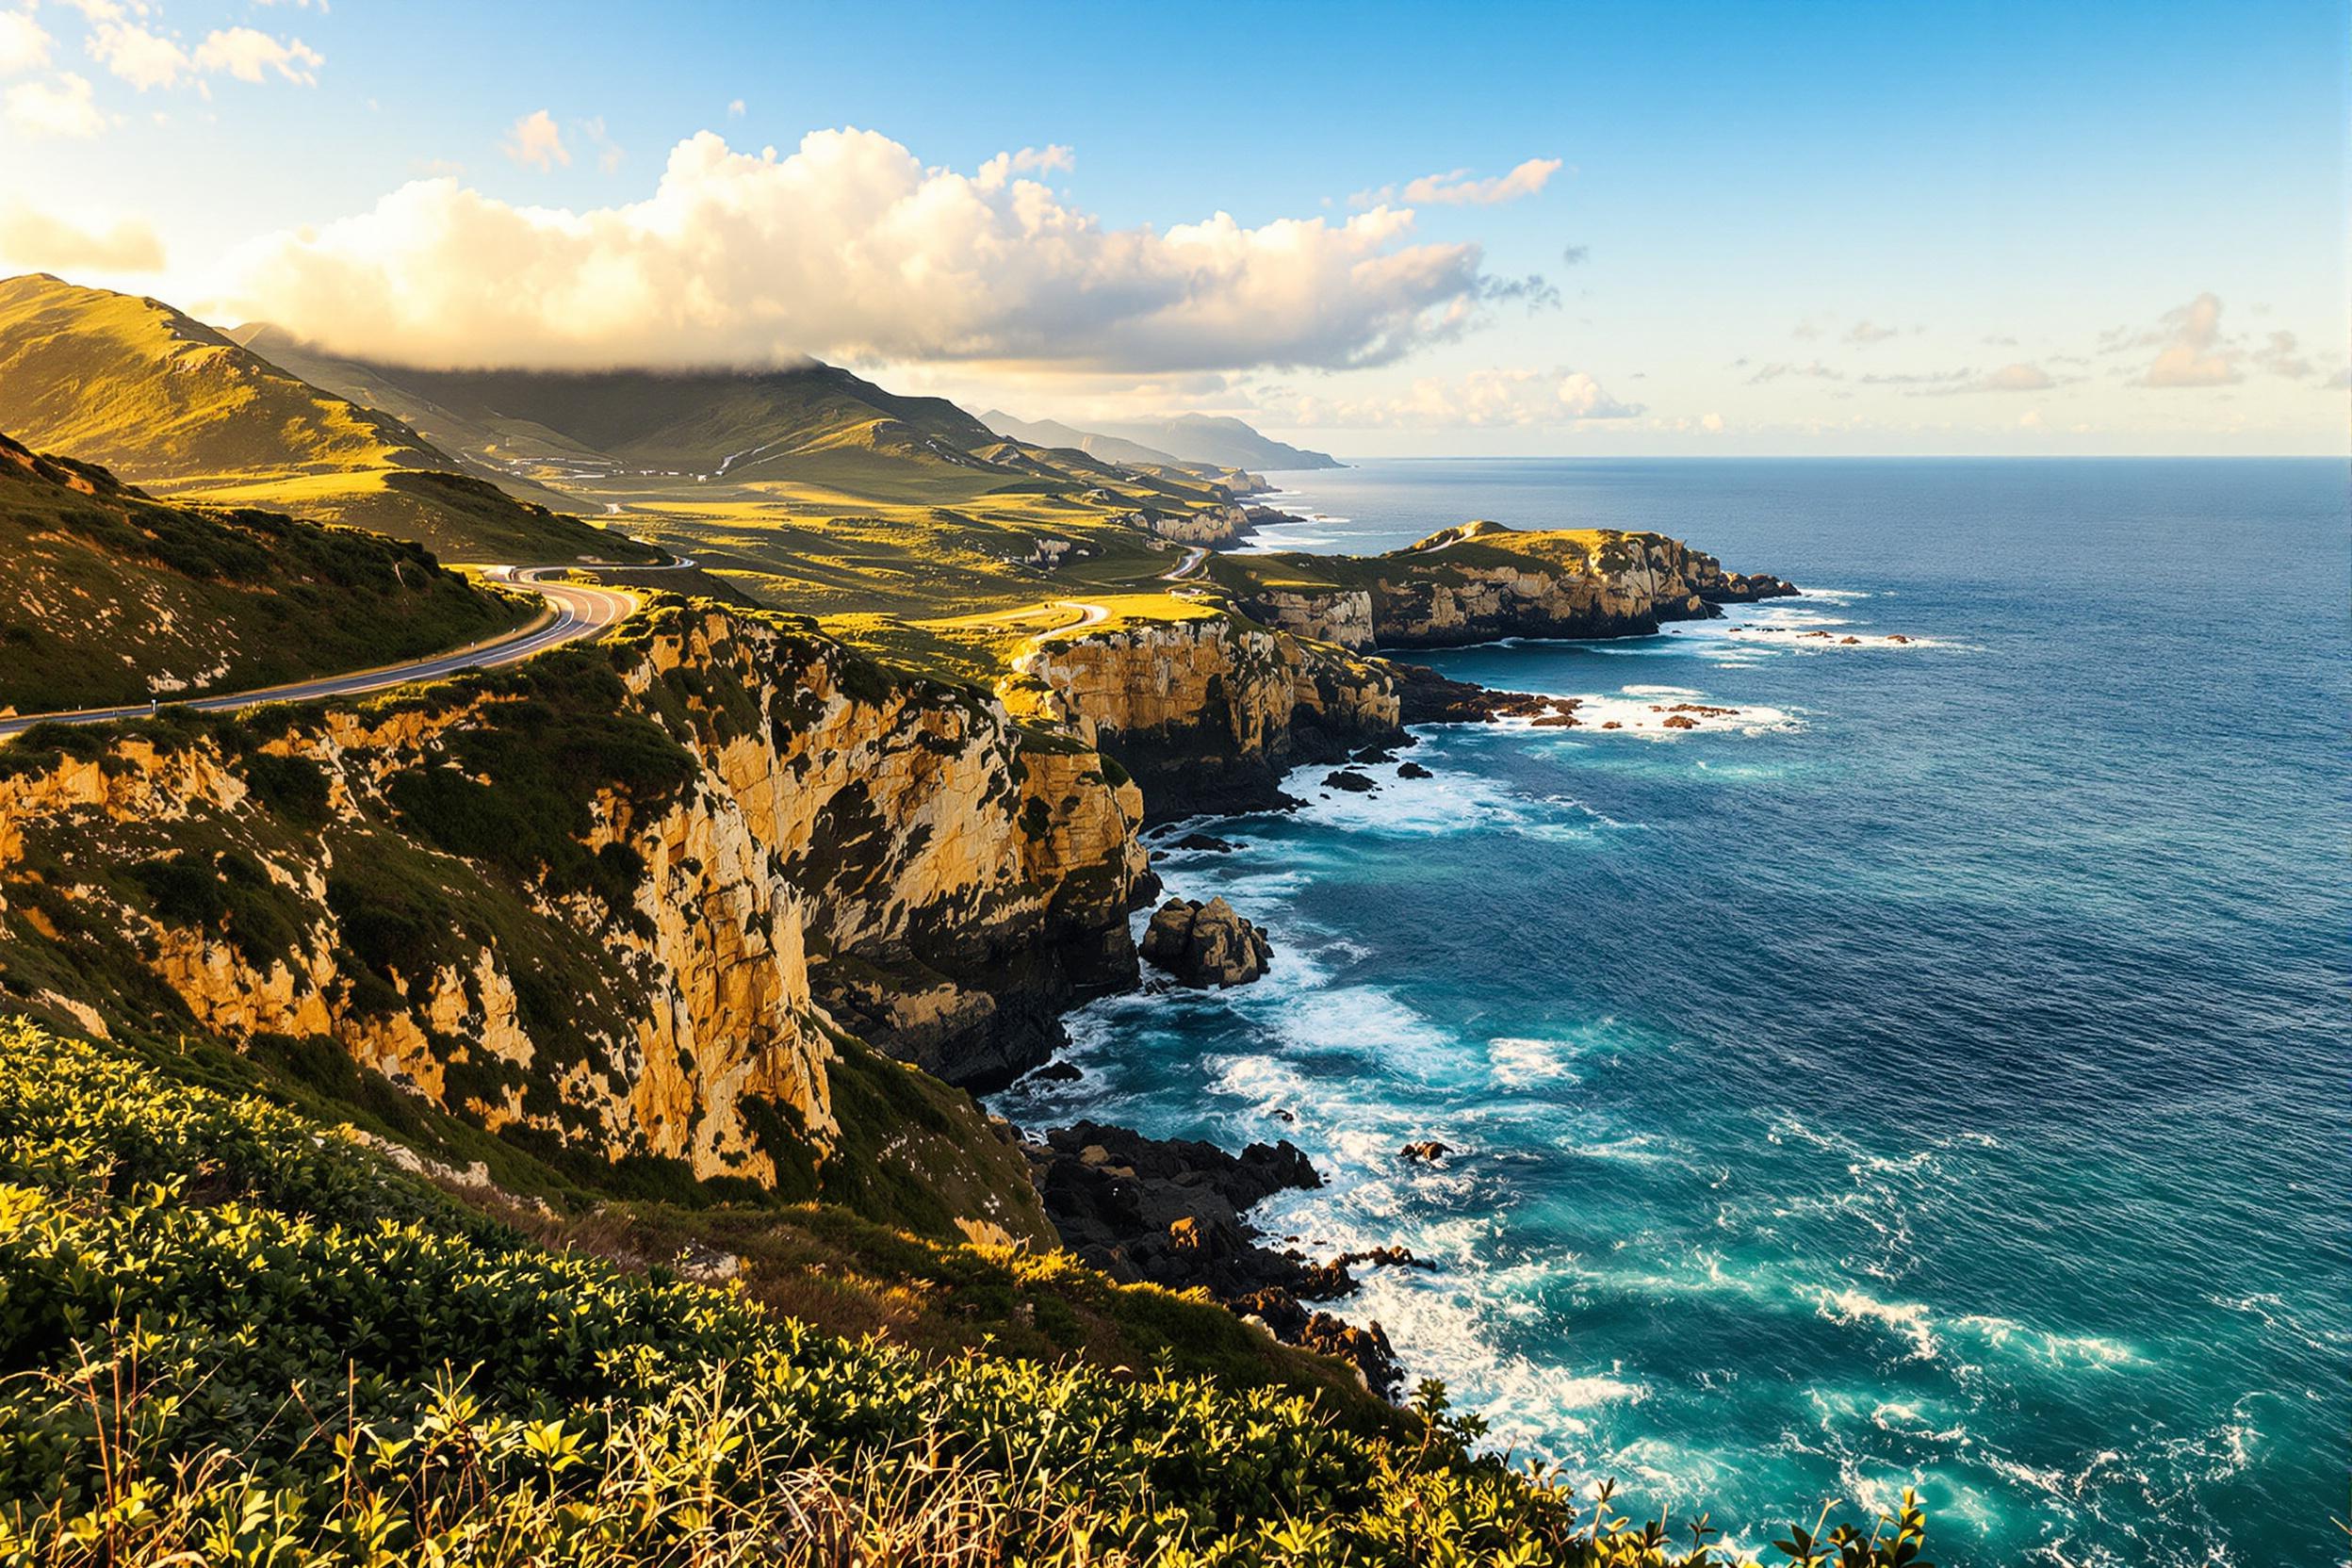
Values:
[(1935, 1071)]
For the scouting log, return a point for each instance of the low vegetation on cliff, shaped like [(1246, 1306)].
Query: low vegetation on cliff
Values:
[(110, 598), (233, 1335)]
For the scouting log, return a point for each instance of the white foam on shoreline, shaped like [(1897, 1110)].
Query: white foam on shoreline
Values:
[(1634, 713)]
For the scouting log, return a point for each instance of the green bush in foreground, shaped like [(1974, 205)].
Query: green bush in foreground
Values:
[(232, 1336)]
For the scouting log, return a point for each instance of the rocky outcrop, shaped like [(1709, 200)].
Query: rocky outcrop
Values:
[(1425, 697), (1208, 713), (1481, 583), (645, 900), (1223, 524), (1170, 1212), (1205, 944)]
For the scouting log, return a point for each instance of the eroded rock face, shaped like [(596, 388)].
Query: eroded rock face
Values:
[(624, 899), (1214, 525), (1440, 593), (1206, 945), (1208, 714)]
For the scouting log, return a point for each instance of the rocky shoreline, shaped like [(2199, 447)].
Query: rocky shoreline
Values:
[(1170, 1212)]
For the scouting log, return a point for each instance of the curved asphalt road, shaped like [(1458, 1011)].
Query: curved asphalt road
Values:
[(575, 611)]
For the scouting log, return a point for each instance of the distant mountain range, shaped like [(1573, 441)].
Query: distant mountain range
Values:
[(1220, 441)]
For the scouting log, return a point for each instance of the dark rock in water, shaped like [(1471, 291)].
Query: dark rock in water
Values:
[(1373, 754), (1148, 886), (1169, 1211), (1426, 696), (1385, 1257), (1413, 770), (1056, 1073), (1427, 1152), (1350, 780), (1206, 945), (1203, 841), (1285, 1116)]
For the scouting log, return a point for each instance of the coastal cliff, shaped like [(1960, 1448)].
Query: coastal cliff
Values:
[(638, 902), (1207, 714), (1481, 581)]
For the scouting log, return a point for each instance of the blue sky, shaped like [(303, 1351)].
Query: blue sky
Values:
[(1762, 227)]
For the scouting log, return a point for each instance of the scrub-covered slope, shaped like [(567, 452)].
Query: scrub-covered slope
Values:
[(109, 598), (234, 1335)]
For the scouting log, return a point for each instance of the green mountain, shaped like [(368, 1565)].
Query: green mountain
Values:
[(111, 597), (171, 405), (732, 424)]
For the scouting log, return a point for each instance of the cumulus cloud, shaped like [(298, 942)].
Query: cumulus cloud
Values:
[(1455, 188), (2282, 355), (139, 55), (2194, 352), (62, 106), (23, 45), (536, 142), (850, 248), (1481, 398), (48, 243), (249, 56), (2019, 377), (146, 57), (735, 109)]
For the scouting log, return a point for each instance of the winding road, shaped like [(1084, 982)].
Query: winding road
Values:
[(575, 611)]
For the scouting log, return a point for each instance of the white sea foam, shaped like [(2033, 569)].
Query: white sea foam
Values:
[(1639, 713), (1517, 1063), (1908, 1320)]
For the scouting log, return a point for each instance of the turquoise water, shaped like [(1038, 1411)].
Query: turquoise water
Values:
[(1935, 1072)]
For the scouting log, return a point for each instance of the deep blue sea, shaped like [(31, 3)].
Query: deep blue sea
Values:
[(1937, 1073)]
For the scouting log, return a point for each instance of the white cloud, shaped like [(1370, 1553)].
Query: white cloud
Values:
[(609, 153), (141, 57), (147, 58), (1867, 333), (2021, 377), (536, 142), (1457, 188), (851, 248), (1496, 397), (994, 174), (23, 45), (735, 109), (249, 56), (48, 243), (2282, 355), (1812, 370), (59, 107), (2194, 352)]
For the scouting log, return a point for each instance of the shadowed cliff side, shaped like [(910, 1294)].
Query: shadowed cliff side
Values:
[(625, 908)]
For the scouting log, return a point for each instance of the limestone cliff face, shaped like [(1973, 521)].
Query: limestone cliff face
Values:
[(635, 901), (1215, 525), (1479, 583), (1208, 713)]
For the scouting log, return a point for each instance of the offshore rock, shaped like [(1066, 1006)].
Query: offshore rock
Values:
[(1206, 945)]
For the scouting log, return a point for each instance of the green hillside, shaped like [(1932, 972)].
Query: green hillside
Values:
[(233, 1334), (110, 598), (173, 405)]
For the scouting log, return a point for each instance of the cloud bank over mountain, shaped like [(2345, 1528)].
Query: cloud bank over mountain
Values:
[(851, 248)]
